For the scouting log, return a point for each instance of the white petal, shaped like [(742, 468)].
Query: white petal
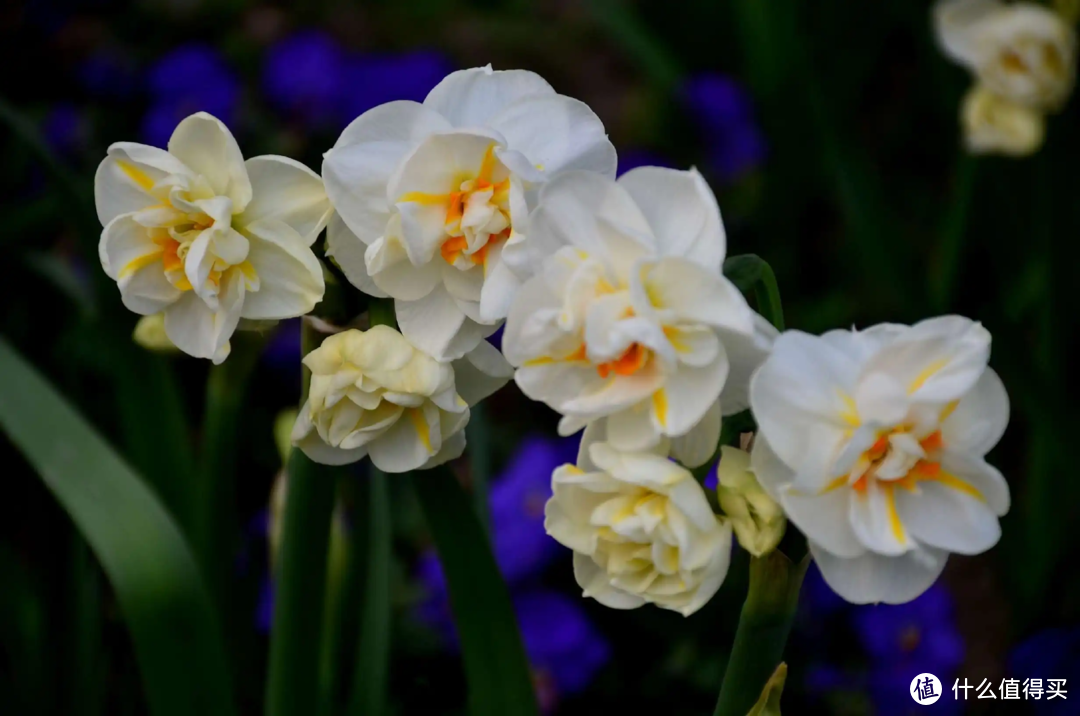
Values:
[(290, 277), (199, 331), (876, 520), (570, 207), (798, 397), (980, 418), (682, 290), (556, 133), (436, 325), (369, 151), (595, 583), (208, 148), (872, 578), (286, 190), (687, 395), (347, 251), (698, 446), (980, 477), (556, 383), (500, 286), (481, 372), (470, 98), (957, 26), (403, 447), (942, 516), (745, 355), (124, 245), (452, 448), (682, 212), (937, 360), (609, 395), (318, 451), (632, 429), (124, 178), (390, 269)]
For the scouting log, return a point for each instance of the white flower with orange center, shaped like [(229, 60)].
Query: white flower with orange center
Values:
[(433, 198), (874, 444), (205, 238), (630, 318), (640, 526)]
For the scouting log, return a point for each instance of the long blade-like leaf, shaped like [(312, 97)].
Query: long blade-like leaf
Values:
[(164, 601), (495, 663)]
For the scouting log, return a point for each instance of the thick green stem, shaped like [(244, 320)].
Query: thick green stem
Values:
[(212, 523), (763, 631), (373, 652), (293, 685)]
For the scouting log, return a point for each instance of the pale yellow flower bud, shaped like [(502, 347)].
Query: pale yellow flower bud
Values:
[(994, 125), (283, 426), (756, 518), (150, 334)]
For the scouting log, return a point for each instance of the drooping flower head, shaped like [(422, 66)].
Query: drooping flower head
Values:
[(206, 238), (374, 394), (640, 526), (874, 444), (433, 198), (629, 318)]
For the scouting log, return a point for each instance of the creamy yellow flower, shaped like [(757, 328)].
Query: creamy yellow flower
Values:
[(756, 518), (993, 125), (373, 394), (150, 334), (206, 239), (1022, 52), (640, 526)]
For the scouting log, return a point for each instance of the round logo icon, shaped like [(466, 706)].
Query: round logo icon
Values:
[(925, 689)]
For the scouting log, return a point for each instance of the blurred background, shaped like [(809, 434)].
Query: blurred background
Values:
[(828, 131)]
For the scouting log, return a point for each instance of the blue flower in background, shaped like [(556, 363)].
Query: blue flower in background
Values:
[(724, 114), (1050, 654), (371, 80), (304, 77), (191, 78), (563, 647)]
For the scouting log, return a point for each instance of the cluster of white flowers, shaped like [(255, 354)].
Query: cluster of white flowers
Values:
[(495, 201), (1023, 58)]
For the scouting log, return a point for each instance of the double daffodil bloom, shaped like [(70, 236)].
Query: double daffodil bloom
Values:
[(630, 319), (433, 198), (874, 444), (373, 394), (640, 526), (205, 238)]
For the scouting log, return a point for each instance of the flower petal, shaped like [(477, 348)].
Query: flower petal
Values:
[(125, 177), (871, 578), (687, 395), (290, 276), (347, 251), (201, 332), (595, 583), (470, 98), (286, 190), (682, 290), (208, 148), (481, 372), (698, 445), (436, 325), (979, 419), (682, 212)]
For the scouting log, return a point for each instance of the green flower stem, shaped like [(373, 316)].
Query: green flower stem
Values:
[(373, 653), (763, 630), (295, 640), (478, 436), (212, 525)]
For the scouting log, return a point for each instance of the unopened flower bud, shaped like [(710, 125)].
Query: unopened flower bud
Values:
[(756, 518), (150, 334)]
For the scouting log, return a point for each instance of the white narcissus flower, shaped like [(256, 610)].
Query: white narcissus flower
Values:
[(373, 394), (874, 443), (1022, 52), (640, 526), (630, 318), (433, 198), (205, 238), (995, 125)]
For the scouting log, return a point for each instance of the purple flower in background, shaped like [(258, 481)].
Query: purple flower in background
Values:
[(191, 78), (371, 80), (1050, 654), (108, 73), (65, 129), (724, 114), (304, 77), (634, 158)]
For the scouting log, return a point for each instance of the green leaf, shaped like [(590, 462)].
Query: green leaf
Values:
[(769, 703), (751, 272), (165, 604), (495, 664), (744, 271)]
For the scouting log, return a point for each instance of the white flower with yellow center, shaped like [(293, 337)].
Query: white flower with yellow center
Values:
[(995, 125), (1022, 52), (433, 198), (874, 444), (373, 394), (206, 238), (629, 318), (640, 526)]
